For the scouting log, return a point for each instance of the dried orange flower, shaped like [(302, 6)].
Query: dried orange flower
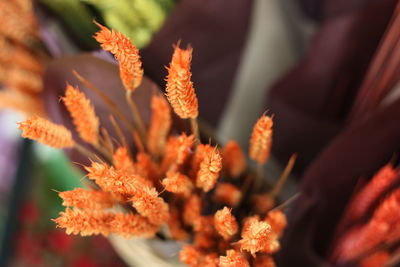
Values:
[(85, 222), (277, 220), (263, 203), (86, 199), (225, 223), (160, 124), (209, 170), (125, 52), (177, 151), (228, 194), (46, 132), (233, 258), (376, 259), (261, 140), (180, 91), (264, 261), (175, 226), (145, 167), (210, 260), (83, 115), (204, 224), (190, 255), (255, 236), (200, 153), (128, 225), (178, 183), (192, 210), (147, 202), (122, 160), (273, 244), (204, 240), (115, 181), (233, 159)]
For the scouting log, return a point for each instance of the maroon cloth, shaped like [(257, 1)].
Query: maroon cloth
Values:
[(311, 102), (217, 31)]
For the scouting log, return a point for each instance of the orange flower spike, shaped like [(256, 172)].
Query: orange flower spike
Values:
[(160, 124), (225, 223), (147, 202), (233, 258), (203, 240), (264, 261), (46, 132), (84, 222), (177, 151), (255, 236), (192, 210), (227, 193), (209, 170), (204, 224), (233, 159), (190, 256), (368, 195), (277, 220), (131, 71), (261, 140), (210, 260), (86, 199), (178, 183), (379, 258), (180, 91), (83, 115), (263, 203), (129, 225), (201, 151), (145, 167), (122, 160)]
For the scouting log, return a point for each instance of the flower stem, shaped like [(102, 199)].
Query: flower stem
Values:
[(137, 118)]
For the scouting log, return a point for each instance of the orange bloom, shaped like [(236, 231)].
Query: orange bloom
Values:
[(122, 160), (83, 115), (261, 140), (180, 91), (228, 194), (200, 153), (85, 222), (379, 258), (46, 132), (145, 167), (225, 223), (160, 124), (210, 260), (209, 170), (178, 183), (147, 202), (125, 52), (86, 199), (204, 224), (255, 236), (233, 258), (175, 225), (192, 210), (177, 151), (264, 261), (233, 159), (277, 220), (128, 225), (115, 181), (190, 256)]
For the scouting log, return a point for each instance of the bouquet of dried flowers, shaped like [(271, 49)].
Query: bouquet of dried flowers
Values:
[(172, 186)]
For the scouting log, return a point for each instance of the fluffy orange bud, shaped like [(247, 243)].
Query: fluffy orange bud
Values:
[(261, 140), (160, 124), (233, 258), (255, 236), (209, 170), (191, 210), (227, 193), (180, 91), (46, 132), (233, 159), (176, 182), (225, 223), (128, 225), (86, 199), (83, 116)]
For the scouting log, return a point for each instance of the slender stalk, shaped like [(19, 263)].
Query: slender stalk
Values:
[(195, 130), (283, 178), (137, 118), (287, 202), (84, 151), (113, 107)]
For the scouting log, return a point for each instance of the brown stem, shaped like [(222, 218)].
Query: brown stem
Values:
[(195, 130), (84, 151), (283, 178), (137, 118)]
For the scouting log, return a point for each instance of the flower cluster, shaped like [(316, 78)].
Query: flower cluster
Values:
[(172, 185)]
